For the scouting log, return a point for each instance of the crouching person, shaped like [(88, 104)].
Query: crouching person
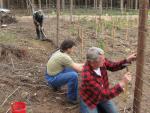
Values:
[(61, 70), (95, 94)]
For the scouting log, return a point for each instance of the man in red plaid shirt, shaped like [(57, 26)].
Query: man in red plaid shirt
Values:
[(95, 93)]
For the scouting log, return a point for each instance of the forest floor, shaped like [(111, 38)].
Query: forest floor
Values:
[(23, 60)]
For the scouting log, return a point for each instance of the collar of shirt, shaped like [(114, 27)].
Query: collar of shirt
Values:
[(97, 71)]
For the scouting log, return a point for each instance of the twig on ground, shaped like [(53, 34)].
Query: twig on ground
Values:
[(8, 110), (10, 95), (125, 109), (12, 64), (71, 107), (61, 93)]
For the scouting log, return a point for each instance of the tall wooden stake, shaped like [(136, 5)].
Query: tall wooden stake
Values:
[(58, 16), (142, 30), (71, 9)]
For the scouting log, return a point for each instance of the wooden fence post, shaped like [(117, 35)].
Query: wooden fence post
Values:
[(58, 16), (142, 30)]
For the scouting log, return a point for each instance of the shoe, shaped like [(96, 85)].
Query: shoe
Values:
[(73, 102)]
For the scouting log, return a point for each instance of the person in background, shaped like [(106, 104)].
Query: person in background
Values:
[(95, 93), (61, 70), (38, 18)]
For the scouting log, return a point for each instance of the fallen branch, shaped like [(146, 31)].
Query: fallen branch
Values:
[(126, 109), (12, 64), (9, 96), (8, 110), (71, 107)]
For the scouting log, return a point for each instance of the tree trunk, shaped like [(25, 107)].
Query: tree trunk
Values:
[(33, 3), (71, 9), (121, 5), (49, 3), (136, 4), (1, 4), (63, 5), (8, 4), (46, 4), (86, 4), (132, 4), (95, 4), (78, 4), (101, 6), (111, 4), (40, 5)]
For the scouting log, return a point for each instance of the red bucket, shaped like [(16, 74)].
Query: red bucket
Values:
[(18, 107)]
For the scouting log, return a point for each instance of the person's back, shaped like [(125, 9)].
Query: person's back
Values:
[(61, 70), (38, 17), (57, 62)]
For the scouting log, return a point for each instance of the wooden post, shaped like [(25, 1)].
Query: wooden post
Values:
[(58, 16), (142, 32), (96, 27), (82, 43), (113, 34), (127, 30)]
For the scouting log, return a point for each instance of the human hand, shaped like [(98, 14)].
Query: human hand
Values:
[(132, 57), (126, 79)]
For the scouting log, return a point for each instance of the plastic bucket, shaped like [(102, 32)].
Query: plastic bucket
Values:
[(18, 107)]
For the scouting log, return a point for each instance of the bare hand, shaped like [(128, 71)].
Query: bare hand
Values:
[(132, 57), (126, 79)]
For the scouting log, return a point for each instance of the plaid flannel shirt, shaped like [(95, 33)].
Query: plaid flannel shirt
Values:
[(94, 88)]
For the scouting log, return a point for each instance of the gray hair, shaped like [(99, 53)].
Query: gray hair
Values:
[(93, 53)]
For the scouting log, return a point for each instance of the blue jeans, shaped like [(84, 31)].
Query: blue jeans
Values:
[(103, 107), (67, 76)]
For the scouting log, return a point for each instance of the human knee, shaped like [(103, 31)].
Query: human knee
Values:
[(74, 75)]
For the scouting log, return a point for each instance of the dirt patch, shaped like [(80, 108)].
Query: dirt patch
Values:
[(7, 18), (7, 50)]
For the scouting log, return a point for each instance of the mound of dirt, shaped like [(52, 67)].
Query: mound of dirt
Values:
[(7, 18), (6, 50)]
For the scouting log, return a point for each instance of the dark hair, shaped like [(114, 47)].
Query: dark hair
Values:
[(66, 44)]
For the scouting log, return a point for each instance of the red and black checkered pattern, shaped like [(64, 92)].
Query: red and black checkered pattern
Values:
[(95, 88)]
